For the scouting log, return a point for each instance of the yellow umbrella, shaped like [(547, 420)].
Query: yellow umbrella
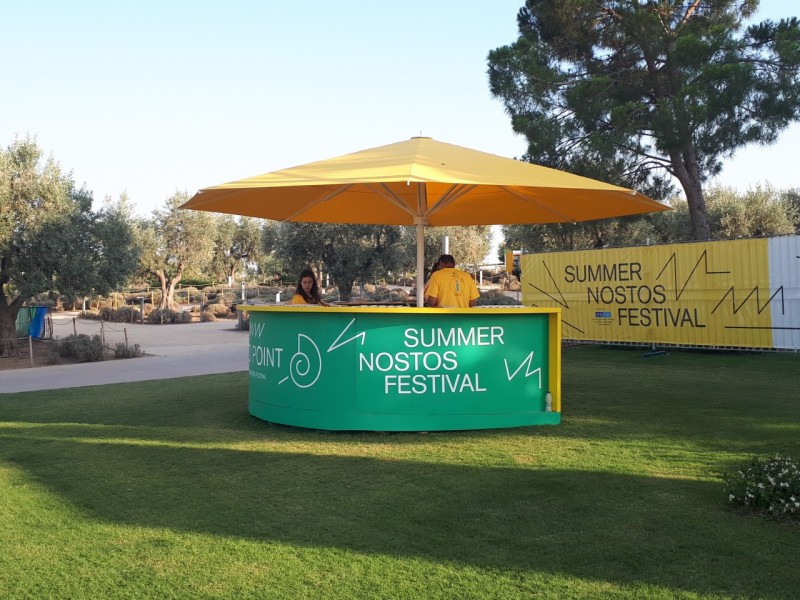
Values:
[(422, 182)]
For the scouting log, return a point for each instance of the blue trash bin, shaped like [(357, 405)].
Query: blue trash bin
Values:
[(37, 326)]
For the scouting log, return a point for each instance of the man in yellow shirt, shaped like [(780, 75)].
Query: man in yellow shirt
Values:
[(450, 287)]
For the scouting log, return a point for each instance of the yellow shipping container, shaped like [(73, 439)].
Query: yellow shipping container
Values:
[(743, 293)]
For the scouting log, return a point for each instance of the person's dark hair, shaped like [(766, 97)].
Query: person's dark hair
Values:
[(446, 260), (432, 270), (313, 297)]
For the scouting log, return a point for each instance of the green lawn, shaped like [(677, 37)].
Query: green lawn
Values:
[(169, 489)]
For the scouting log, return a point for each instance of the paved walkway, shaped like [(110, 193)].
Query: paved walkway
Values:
[(172, 351)]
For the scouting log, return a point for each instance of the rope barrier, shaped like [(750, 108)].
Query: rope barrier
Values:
[(42, 341), (14, 338), (83, 338), (77, 320)]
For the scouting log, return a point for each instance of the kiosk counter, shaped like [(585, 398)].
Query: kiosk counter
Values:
[(404, 369)]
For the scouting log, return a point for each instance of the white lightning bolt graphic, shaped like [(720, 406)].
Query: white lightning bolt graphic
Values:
[(336, 343), (527, 363)]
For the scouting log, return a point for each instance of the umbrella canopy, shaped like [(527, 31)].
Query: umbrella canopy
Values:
[(422, 182)]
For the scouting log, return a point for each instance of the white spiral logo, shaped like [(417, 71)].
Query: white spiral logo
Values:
[(306, 365)]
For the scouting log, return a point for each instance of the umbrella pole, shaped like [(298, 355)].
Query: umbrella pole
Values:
[(420, 264)]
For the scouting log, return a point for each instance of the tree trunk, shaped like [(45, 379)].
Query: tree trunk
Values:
[(8, 325), (168, 292), (168, 287), (688, 173), (162, 279), (345, 290), (697, 211)]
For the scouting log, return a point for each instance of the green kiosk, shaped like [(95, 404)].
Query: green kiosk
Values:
[(405, 369)]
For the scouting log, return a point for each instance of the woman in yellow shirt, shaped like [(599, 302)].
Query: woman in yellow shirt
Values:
[(307, 291)]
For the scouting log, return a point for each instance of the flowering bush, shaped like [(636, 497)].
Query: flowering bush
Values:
[(770, 487)]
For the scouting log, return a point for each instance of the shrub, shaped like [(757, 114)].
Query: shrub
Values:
[(514, 285), (222, 296), (768, 487), (116, 299), (385, 294), (495, 298), (123, 351), (195, 282), (107, 313), (207, 316), (89, 314), (219, 310), (192, 294), (133, 297), (266, 295), (227, 298), (165, 315), (82, 348), (126, 314)]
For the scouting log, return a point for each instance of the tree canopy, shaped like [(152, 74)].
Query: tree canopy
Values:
[(50, 238), (347, 252), (351, 253), (637, 92), (468, 244), (759, 212), (237, 241), (175, 241)]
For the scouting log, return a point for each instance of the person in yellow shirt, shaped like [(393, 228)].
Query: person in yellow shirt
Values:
[(450, 287), (307, 291)]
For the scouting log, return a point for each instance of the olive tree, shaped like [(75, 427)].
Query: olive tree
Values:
[(236, 241), (347, 252), (51, 241), (174, 241)]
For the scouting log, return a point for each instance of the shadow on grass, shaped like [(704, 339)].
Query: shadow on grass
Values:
[(713, 400), (208, 401), (722, 403), (601, 526), (597, 525)]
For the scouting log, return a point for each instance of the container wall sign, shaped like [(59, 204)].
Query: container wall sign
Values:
[(742, 293), (404, 369)]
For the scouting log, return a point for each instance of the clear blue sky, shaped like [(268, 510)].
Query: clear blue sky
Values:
[(152, 97)]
